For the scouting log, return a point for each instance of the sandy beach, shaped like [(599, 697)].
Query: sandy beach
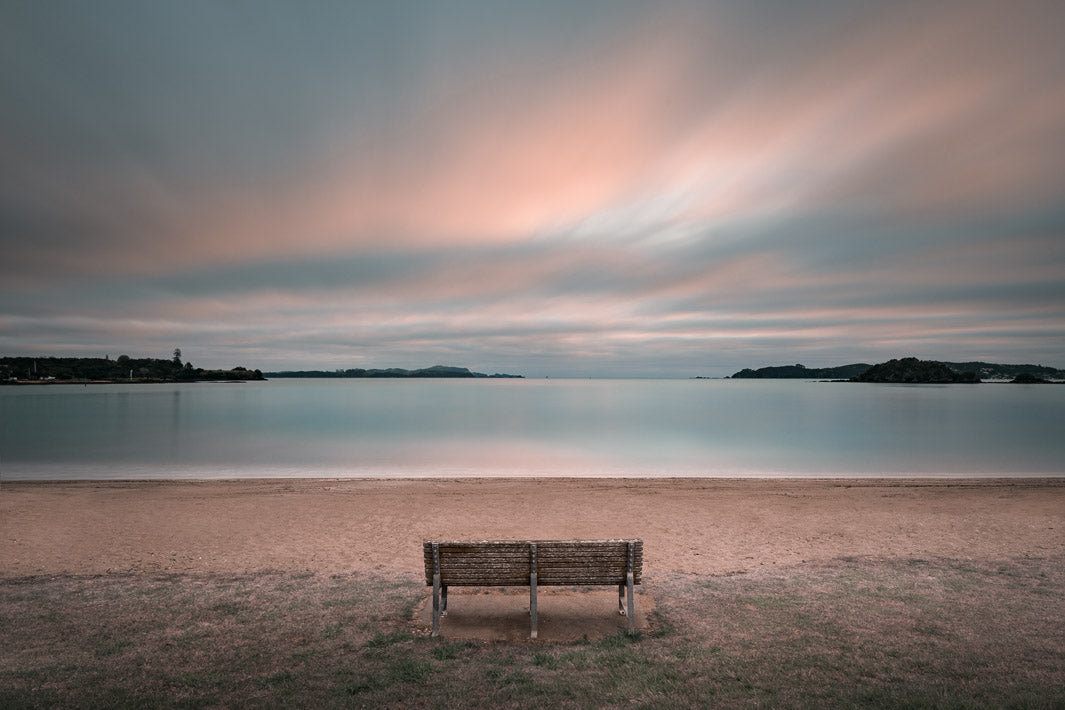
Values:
[(756, 593), (704, 526)]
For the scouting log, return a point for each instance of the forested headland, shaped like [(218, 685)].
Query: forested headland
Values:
[(912, 370), (58, 370)]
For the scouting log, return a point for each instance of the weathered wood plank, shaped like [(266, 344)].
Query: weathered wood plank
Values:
[(544, 571), (448, 577), (446, 553), (559, 562), (550, 543), (547, 546), (517, 564), (544, 574), (611, 555), (612, 567), (569, 552), (475, 561), (524, 582), (524, 564)]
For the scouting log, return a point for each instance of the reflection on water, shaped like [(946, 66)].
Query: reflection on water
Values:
[(529, 427)]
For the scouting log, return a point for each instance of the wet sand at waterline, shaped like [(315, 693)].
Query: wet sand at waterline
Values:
[(701, 526)]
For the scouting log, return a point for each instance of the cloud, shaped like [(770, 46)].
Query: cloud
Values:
[(607, 189)]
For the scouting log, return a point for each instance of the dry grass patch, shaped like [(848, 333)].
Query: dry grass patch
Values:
[(177, 640), (854, 632)]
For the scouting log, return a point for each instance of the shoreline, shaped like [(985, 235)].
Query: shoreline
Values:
[(1052, 479), (611, 475), (689, 525)]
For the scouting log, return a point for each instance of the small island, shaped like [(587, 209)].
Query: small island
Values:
[(1027, 378), (912, 371)]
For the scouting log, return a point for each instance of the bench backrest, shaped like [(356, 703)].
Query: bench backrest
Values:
[(506, 563)]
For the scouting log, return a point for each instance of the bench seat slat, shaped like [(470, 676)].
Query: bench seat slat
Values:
[(549, 543), (544, 571), (545, 546), (489, 577), (523, 580), (524, 559), (450, 555), (524, 564), (517, 551), (555, 572)]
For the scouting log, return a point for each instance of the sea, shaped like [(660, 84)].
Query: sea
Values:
[(418, 428)]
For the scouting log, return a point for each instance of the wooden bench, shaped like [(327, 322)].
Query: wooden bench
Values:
[(532, 563)]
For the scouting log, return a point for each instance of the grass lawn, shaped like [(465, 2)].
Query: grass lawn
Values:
[(850, 633)]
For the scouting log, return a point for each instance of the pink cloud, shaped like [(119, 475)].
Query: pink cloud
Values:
[(922, 109), (927, 109)]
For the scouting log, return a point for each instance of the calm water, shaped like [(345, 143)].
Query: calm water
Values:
[(530, 427)]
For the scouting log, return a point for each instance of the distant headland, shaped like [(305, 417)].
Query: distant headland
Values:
[(801, 372), (913, 371), (103, 370), (124, 369), (437, 371)]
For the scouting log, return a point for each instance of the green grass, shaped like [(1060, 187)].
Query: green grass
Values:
[(850, 633)]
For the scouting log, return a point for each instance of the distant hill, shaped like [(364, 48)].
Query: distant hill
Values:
[(983, 371), (912, 370), (437, 371), (800, 372)]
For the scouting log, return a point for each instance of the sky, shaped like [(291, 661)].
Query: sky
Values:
[(648, 189)]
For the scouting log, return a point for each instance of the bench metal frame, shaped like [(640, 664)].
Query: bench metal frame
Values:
[(533, 563)]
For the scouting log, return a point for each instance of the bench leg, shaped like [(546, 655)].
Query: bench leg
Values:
[(443, 600), (436, 590), (436, 604), (632, 602), (532, 604), (532, 589), (621, 599)]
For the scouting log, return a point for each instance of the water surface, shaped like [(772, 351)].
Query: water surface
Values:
[(406, 428)]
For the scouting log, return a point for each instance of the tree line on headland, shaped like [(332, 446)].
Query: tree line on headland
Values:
[(46, 370), (913, 371), (16, 370), (25, 370)]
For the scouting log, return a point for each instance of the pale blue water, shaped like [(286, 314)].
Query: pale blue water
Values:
[(348, 428)]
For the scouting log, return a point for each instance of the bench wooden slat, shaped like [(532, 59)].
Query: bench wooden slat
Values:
[(523, 581), (498, 573), (612, 567), (486, 561), (546, 555), (526, 543), (544, 569), (548, 547), (544, 574)]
